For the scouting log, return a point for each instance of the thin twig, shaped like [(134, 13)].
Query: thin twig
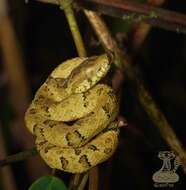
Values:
[(143, 95), (69, 13), (18, 157), (6, 175), (104, 36), (83, 181), (74, 181)]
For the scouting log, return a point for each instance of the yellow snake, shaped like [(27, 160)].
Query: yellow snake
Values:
[(72, 116)]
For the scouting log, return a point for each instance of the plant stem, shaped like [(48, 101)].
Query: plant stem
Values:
[(18, 157), (6, 176), (83, 181), (69, 13), (74, 181)]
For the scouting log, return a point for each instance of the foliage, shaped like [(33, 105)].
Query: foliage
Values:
[(48, 183)]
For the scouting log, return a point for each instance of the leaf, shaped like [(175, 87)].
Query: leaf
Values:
[(48, 183)]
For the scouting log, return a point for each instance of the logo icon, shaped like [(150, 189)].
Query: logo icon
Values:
[(167, 173)]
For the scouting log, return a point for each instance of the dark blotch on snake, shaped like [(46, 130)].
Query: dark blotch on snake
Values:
[(46, 122), (48, 148), (32, 111), (84, 160), (34, 128), (99, 91), (92, 147), (64, 162), (42, 143), (108, 140), (111, 93), (107, 150), (106, 110), (74, 137), (70, 123), (85, 103), (77, 151), (42, 131), (50, 123)]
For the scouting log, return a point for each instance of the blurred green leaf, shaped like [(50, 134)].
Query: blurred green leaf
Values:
[(48, 183)]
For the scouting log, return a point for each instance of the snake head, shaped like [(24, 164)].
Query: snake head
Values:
[(89, 72)]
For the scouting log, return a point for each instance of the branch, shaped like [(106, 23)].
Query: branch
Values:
[(74, 181), (143, 94), (69, 13), (129, 10), (18, 157), (169, 20), (6, 177), (83, 181)]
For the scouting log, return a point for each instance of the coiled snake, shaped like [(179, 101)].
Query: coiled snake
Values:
[(73, 117)]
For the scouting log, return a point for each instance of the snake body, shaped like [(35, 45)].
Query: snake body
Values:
[(72, 116)]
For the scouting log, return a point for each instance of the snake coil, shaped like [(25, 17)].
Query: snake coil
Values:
[(72, 116)]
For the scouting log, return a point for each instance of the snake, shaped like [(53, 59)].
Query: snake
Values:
[(73, 115)]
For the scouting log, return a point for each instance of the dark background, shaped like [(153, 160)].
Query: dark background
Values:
[(46, 41)]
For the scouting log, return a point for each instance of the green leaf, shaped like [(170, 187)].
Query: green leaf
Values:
[(48, 183)]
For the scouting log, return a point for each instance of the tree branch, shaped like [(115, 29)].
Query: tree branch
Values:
[(143, 94), (83, 181), (18, 157), (169, 20), (69, 13), (129, 10)]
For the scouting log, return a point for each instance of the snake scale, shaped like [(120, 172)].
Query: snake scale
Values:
[(73, 116)]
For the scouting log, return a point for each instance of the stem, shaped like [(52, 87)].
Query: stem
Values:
[(83, 182), (104, 36), (69, 13), (74, 181), (143, 94), (6, 175), (18, 157)]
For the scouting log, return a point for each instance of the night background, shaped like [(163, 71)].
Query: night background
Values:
[(44, 40)]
